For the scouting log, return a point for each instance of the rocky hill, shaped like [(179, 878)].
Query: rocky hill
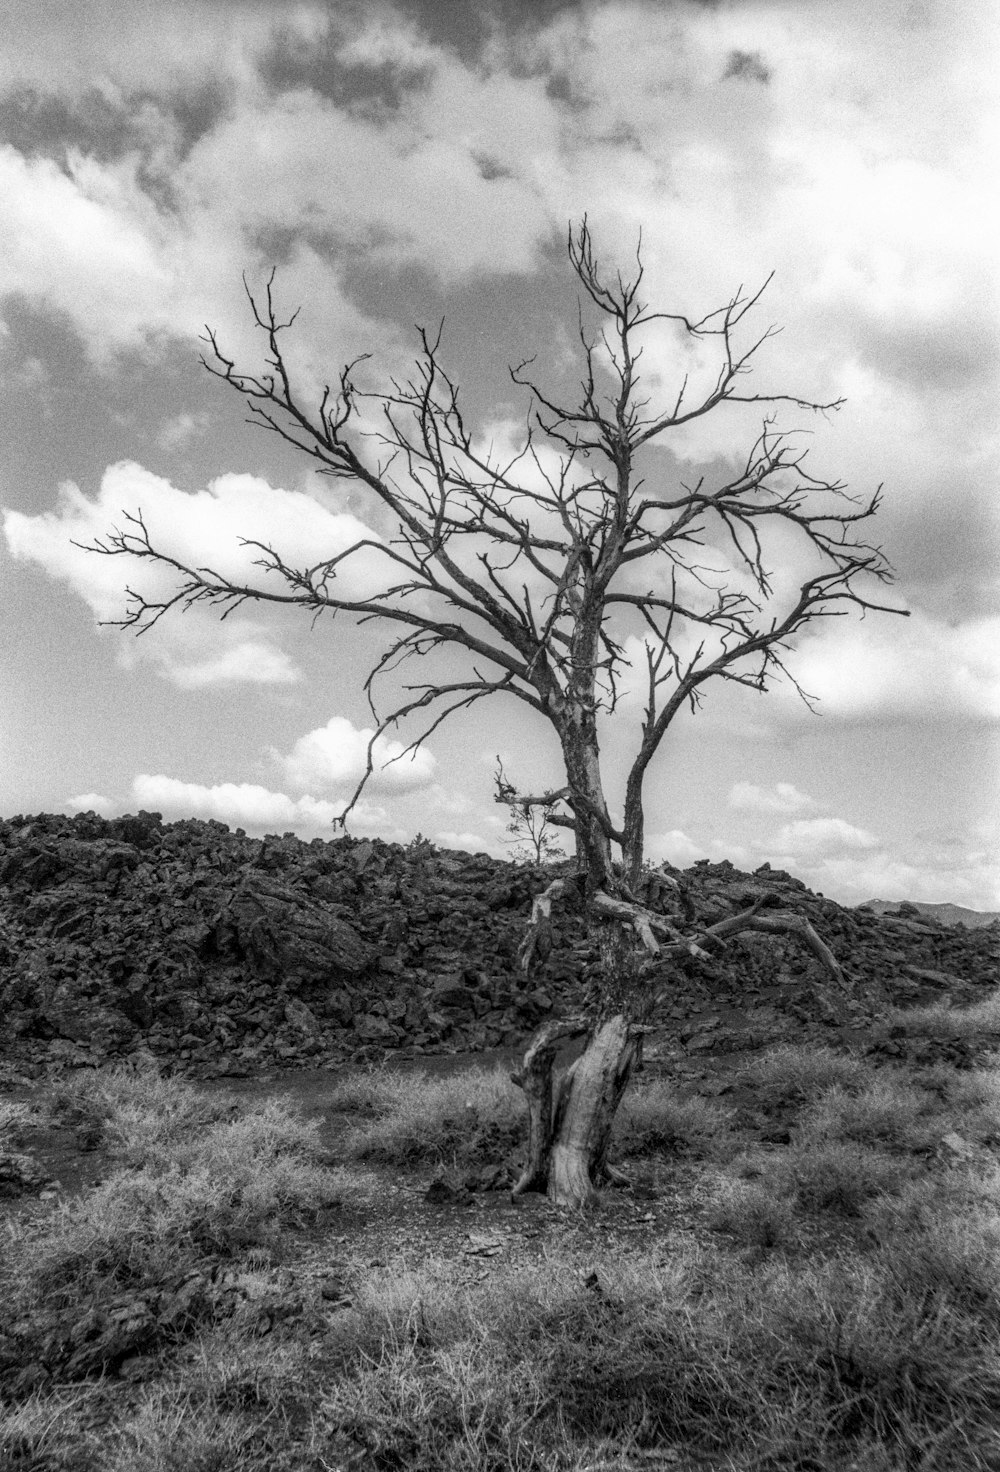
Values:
[(947, 914), (224, 954)]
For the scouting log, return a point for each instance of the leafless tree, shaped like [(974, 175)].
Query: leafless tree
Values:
[(540, 575), (531, 823)]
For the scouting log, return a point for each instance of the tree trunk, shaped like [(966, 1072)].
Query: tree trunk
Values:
[(568, 1149), (587, 1102), (571, 1119)]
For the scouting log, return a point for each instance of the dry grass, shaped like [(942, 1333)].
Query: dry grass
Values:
[(222, 1187), (753, 1213), (817, 1366), (939, 1020), (888, 1112), (657, 1117), (790, 1074), (464, 1120), (880, 1355)]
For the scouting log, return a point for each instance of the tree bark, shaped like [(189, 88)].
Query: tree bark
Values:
[(570, 1119), (534, 1077), (588, 1098), (570, 1122)]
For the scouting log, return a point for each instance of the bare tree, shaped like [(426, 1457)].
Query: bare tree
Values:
[(531, 823), (532, 573)]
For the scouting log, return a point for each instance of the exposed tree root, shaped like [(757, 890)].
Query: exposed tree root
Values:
[(570, 1123)]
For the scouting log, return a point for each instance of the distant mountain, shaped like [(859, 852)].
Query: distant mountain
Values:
[(947, 914)]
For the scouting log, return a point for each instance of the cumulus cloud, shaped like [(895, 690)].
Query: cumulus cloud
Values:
[(146, 234), (91, 802), (973, 880), (676, 847), (247, 805), (169, 45), (837, 858), (243, 660), (857, 172), (783, 797), (919, 669), (335, 755), (823, 835), (84, 241), (472, 843), (201, 529), (446, 800), (960, 868)]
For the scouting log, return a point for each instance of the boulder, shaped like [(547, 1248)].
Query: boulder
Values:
[(373, 1029), (281, 935), (451, 994), (301, 1017)]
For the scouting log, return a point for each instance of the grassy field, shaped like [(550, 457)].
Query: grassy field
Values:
[(802, 1278)]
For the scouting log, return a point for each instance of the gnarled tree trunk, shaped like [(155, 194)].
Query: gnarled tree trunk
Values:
[(571, 1116), (571, 1119)]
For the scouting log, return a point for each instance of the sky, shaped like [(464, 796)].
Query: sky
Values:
[(403, 164)]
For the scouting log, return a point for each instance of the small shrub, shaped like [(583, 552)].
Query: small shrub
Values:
[(888, 1111), (52, 1432), (141, 1227), (178, 1430), (837, 1176), (942, 1021), (470, 1118), (234, 1184), (888, 1359), (791, 1074), (827, 1366), (969, 1102), (141, 1115), (972, 1089), (942, 1236), (656, 1117), (752, 1213)]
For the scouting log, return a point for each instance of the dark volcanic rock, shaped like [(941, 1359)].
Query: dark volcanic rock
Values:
[(216, 952), (279, 933)]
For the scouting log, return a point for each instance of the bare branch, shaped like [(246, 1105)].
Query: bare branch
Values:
[(528, 572)]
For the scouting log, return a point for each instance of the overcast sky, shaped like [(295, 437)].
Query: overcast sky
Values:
[(400, 164)]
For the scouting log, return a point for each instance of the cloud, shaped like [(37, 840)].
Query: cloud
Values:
[(961, 872), (335, 755), (823, 835), (674, 846), (169, 46), (201, 529), (836, 858), (91, 802), (782, 798), (917, 669), (447, 801), (177, 433), (85, 241), (247, 661), (472, 843), (247, 805), (748, 65), (205, 166)]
